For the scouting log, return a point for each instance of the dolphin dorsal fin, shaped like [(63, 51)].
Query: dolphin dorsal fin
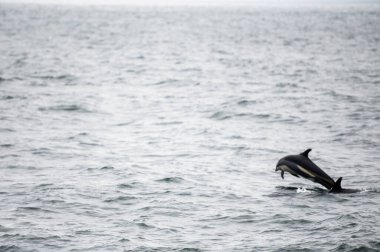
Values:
[(337, 187), (306, 153)]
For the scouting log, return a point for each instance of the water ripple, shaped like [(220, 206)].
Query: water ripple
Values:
[(158, 129)]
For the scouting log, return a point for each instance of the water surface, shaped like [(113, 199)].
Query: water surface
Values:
[(158, 129)]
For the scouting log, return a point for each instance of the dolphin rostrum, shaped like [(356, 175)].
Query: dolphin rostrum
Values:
[(301, 165)]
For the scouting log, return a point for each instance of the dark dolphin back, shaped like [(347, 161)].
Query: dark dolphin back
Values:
[(310, 170)]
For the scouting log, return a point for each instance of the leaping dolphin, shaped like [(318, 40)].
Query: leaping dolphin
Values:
[(301, 165)]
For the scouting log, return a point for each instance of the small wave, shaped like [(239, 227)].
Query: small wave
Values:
[(220, 116), (29, 208), (232, 196), (295, 221), (52, 201), (246, 102), (124, 124), (83, 232), (246, 218), (124, 185), (143, 225), (166, 249), (107, 167), (184, 194), (120, 199), (34, 209), (297, 248), (124, 240), (169, 81), (348, 217), (171, 180), (7, 130), (191, 69), (287, 85), (7, 97), (68, 108), (89, 144), (8, 156), (236, 137), (3, 79), (42, 238), (189, 250), (372, 247), (43, 185), (4, 229), (10, 248), (41, 151), (345, 97), (146, 208), (169, 123), (56, 77), (6, 145), (262, 116), (78, 135), (216, 217)]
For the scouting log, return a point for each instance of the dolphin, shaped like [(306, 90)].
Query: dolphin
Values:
[(301, 165)]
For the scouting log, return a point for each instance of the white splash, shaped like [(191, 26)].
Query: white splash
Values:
[(302, 190)]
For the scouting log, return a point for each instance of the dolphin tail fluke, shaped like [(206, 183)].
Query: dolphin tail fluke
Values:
[(337, 187)]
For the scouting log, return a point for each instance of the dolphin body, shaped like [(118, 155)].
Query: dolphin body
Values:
[(301, 165)]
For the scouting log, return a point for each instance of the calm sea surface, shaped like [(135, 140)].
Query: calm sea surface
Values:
[(158, 129)]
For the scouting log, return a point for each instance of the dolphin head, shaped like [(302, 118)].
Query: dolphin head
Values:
[(284, 165), (281, 165), (278, 166)]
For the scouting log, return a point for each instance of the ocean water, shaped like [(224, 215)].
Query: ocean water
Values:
[(158, 129)]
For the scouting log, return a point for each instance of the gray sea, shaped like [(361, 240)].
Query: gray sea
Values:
[(159, 128)]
